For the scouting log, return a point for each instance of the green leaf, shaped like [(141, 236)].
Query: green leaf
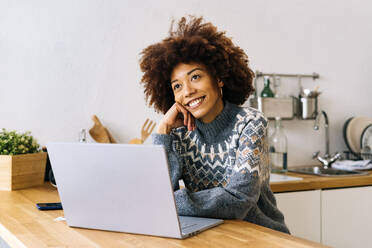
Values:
[(13, 143)]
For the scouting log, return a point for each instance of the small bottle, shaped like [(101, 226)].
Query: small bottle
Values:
[(82, 136), (277, 82), (278, 148), (267, 92)]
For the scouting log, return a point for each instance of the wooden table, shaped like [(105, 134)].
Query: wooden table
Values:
[(22, 225), (311, 182)]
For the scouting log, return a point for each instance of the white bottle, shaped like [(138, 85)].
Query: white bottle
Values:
[(83, 136), (278, 148)]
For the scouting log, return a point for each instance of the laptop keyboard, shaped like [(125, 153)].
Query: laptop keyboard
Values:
[(187, 225)]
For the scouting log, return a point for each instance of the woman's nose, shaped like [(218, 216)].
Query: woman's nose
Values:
[(188, 90)]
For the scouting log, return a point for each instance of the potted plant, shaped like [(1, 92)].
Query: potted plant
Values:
[(22, 163)]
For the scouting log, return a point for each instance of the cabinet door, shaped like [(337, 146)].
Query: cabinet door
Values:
[(301, 213), (347, 217)]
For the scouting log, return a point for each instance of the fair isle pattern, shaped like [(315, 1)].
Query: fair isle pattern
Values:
[(210, 165)]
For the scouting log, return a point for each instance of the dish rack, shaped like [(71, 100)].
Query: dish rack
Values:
[(356, 156)]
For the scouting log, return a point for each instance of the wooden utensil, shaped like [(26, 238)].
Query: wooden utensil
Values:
[(146, 130), (112, 140), (135, 141), (99, 133)]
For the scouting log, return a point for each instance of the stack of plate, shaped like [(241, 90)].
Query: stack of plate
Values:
[(358, 136)]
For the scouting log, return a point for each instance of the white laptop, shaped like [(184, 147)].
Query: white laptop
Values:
[(120, 187)]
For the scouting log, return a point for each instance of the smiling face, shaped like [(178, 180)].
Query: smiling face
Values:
[(197, 91)]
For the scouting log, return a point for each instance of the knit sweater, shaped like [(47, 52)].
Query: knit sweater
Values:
[(224, 166)]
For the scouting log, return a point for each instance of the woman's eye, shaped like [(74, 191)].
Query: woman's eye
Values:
[(176, 86), (195, 77)]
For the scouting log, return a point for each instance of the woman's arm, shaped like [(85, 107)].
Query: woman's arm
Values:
[(242, 190), (177, 116), (175, 165)]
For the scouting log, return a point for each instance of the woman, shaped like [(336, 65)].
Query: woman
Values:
[(197, 77)]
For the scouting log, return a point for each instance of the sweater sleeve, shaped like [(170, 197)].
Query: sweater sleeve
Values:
[(175, 165), (242, 191)]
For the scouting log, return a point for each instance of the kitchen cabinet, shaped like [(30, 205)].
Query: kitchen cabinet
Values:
[(302, 213), (347, 217), (339, 218)]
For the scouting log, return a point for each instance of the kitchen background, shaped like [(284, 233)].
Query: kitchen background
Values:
[(63, 61)]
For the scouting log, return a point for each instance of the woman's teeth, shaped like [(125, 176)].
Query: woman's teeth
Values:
[(195, 102)]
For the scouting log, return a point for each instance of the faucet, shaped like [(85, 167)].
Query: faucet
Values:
[(326, 160)]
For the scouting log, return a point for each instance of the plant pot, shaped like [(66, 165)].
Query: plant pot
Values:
[(22, 171)]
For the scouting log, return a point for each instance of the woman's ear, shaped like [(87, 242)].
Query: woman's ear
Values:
[(220, 85)]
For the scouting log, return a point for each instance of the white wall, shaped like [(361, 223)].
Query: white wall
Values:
[(62, 61)]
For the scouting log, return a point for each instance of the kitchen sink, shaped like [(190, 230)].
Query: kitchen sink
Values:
[(274, 177), (329, 172)]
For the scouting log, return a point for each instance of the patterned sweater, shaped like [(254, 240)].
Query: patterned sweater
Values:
[(224, 165)]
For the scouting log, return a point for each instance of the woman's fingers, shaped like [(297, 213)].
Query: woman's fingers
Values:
[(175, 117), (184, 112), (189, 122), (193, 126), (185, 118)]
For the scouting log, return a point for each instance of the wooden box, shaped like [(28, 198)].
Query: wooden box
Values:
[(22, 171)]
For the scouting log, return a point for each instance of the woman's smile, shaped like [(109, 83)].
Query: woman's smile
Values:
[(195, 103)]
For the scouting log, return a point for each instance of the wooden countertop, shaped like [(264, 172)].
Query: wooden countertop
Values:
[(22, 225), (311, 182)]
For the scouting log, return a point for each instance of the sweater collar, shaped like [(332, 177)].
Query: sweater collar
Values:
[(214, 128)]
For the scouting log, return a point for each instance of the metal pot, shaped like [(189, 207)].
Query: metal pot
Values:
[(308, 107)]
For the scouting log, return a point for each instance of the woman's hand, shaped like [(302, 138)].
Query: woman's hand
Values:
[(176, 116)]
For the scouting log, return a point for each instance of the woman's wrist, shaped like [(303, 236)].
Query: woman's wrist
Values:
[(163, 129)]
